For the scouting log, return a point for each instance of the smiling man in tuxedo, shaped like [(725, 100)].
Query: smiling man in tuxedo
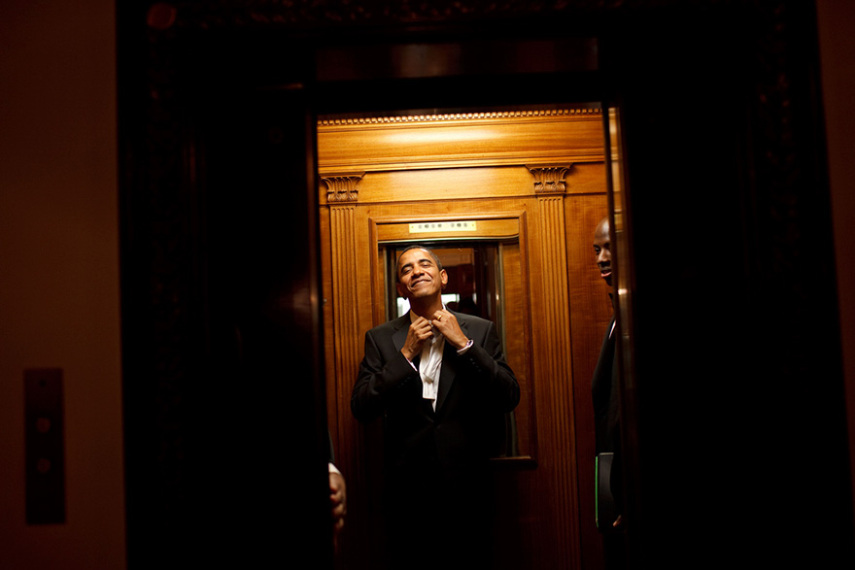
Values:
[(440, 381)]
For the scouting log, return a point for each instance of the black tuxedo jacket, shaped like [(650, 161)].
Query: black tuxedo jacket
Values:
[(604, 390), (475, 390)]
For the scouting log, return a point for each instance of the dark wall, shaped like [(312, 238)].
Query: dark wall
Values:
[(741, 433), (226, 438)]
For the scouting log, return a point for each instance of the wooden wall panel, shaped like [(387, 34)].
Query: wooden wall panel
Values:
[(554, 373), (442, 184), (586, 178), (518, 345), (591, 312), (486, 183)]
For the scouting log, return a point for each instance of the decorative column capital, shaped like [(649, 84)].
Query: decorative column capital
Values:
[(342, 187), (549, 179)]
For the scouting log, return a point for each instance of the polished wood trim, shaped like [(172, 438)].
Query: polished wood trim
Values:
[(485, 183), (518, 345), (565, 136), (328, 122), (492, 227), (553, 359), (346, 350)]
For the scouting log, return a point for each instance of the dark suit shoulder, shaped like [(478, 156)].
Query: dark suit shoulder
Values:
[(391, 326), (471, 320), (475, 327)]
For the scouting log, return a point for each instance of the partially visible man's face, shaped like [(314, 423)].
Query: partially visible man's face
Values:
[(419, 275), (603, 251)]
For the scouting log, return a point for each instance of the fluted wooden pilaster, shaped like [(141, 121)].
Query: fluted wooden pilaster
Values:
[(556, 363), (347, 350)]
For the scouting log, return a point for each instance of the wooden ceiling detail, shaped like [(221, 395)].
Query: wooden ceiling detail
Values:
[(555, 136)]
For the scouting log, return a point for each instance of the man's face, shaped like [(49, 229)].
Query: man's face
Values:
[(419, 276), (603, 252)]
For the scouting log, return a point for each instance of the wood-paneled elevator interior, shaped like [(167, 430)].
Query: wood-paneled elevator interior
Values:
[(233, 309), (524, 189)]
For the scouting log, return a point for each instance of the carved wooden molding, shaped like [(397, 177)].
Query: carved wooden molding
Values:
[(549, 179), (342, 187), (332, 121), (542, 138)]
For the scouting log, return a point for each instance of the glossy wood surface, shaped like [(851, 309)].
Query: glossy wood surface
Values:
[(491, 139)]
